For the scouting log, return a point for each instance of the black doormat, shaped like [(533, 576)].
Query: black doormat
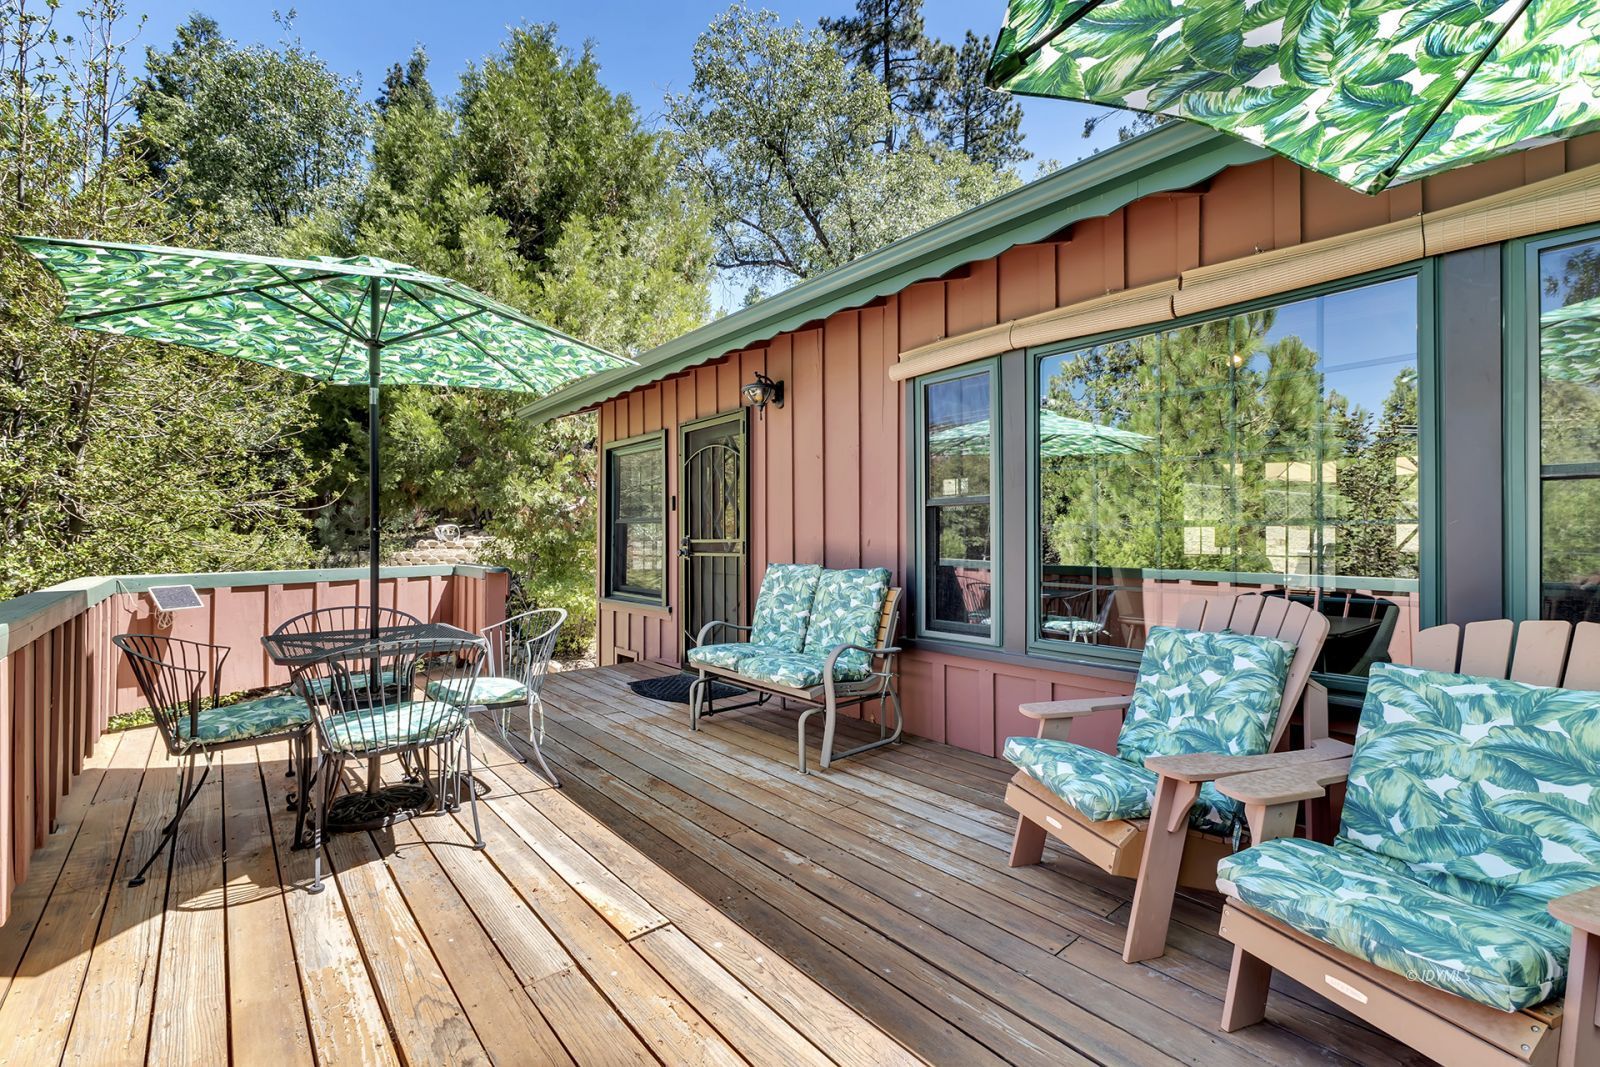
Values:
[(675, 688)]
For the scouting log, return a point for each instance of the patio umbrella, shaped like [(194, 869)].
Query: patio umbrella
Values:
[(1369, 93), (1569, 343), (347, 321), (1060, 437)]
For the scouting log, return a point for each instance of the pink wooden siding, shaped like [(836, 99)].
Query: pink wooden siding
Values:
[(827, 470)]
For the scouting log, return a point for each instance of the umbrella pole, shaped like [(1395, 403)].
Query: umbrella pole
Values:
[(373, 350)]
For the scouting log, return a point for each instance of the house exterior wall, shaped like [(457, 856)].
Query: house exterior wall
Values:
[(827, 471)]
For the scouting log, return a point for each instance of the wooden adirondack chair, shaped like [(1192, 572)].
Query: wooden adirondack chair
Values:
[(1450, 1028), (1163, 852)]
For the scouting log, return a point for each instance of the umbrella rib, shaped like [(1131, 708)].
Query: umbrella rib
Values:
[(514, 315), (1017, 60), (332, 312), (473, 341), (334, 324), (1483, 57), (195, 297), (424, 331), (344, 345)]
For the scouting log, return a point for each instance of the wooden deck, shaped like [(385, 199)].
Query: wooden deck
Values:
[(684, 898)]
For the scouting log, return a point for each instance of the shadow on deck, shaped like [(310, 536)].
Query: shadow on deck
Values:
[(862, 916)]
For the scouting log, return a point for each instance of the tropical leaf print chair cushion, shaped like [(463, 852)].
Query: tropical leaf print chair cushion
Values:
[(1472, 802), (487, 692), (1203, 691), (394, 724), (1198, 691), (1102, 786), (257, 717), (797, 669), (784, 607), (727, 656), (846, 611)]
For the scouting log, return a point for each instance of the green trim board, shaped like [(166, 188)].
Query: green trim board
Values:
[(917, 465), (655, 440), (24, 618), (1524, 474), (1172, 157)]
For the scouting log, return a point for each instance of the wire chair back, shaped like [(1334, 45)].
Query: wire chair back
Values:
[(178, 678), (355, 617), (355, 718), (521, 647)]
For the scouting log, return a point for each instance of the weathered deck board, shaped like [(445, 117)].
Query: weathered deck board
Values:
[(683, 898)]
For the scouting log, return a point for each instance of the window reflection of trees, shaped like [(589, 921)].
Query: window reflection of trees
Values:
[(1258, 466)]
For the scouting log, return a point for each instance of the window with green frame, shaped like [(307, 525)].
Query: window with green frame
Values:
[(956, 458), (1270, 450), (635, 519), (1567, 430)]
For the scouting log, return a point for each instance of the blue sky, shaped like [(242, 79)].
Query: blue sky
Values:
[(643, 47)]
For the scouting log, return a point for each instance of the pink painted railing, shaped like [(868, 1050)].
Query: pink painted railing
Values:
[(61, 678)]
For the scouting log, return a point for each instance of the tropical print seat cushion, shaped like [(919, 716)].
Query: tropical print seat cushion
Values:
[(1102, 786), (320, 687), (1204, 691), (727, 656), (394, 724), (1379, 910), (1484, 792), (257, 717), (797, 669), (482, 691), (1067, 626), (784, 607), (846, 611)]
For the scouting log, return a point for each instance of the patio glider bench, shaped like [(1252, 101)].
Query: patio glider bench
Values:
[(1214, 698), (820, 638), (1462, 894)]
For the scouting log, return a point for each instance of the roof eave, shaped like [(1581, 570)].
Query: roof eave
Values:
[(1170, 157)]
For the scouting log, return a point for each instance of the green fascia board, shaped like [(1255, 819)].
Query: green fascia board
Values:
[(25, 618), (1167, 158)]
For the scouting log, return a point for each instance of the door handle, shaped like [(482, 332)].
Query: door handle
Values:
[(683, 546)]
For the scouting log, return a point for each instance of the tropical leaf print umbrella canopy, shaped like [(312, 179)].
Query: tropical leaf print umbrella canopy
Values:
[(348, 321), (1060, 437), (1368, 92), (314, 317)]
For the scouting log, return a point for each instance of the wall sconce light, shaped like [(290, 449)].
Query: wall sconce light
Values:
[(761, 392)]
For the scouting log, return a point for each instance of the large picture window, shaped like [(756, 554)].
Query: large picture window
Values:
[(957, 461), (1568, 442), (635, 518), (1272, 450)]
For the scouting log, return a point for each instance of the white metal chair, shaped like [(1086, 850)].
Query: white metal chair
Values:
[(520, 649)]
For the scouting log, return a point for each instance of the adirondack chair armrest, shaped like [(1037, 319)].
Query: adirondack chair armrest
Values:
[(1580, 910), (705, 631), (1285, 785), (1208, 767), (1046, 710)]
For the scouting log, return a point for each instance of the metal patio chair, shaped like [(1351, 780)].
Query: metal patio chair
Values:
[(519, 653), (354, 721), (181, 681)]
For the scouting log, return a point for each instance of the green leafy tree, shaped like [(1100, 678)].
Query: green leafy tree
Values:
[(939, 89), (117, 455), (784, 138), (972, 118), (541, 187), (253, 139)]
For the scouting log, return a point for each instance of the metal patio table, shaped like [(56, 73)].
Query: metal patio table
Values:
[(379, 805)]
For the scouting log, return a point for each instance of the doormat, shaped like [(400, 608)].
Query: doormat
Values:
[(675, 688)]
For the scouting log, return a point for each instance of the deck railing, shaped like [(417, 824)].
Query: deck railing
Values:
[(61, 679)]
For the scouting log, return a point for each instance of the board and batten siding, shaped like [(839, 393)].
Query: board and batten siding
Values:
[(827, 470)]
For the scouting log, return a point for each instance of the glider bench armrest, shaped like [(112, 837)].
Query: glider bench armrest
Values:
[(1208, 767), (705, 631), (1580, 910), (1055, 716)]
